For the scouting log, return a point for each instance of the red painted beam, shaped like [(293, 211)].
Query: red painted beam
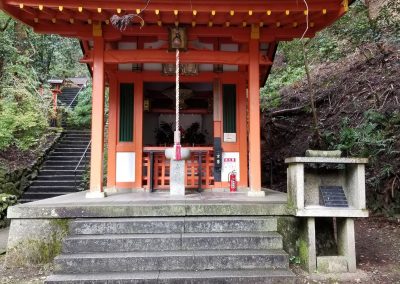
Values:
[(163, 56), (220, 6)]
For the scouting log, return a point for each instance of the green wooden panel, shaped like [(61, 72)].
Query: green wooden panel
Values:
[(229, 108), (126, 113)]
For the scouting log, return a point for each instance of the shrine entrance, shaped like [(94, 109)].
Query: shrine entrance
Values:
[(196, 126)]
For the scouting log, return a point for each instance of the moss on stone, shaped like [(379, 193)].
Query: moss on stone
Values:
[(288, 227), (41, 247), (34, 251), (62, 225), (303, 252)]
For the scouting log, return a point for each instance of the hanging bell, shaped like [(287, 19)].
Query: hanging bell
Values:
[(177, 42)]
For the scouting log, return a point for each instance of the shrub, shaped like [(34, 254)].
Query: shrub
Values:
[(81, 116), (24, 112), (6, 200), (369, 139)]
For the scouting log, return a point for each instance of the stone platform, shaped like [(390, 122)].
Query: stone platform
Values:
[(39, 228), (141, 204)]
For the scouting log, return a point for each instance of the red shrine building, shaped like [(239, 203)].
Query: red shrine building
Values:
[(228, 50)]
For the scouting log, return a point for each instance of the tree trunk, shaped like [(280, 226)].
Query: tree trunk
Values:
[(318, 140)]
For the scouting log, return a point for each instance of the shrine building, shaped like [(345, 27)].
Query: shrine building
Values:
[(227, 51)]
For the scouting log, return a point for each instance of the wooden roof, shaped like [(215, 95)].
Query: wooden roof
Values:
[(228, 21), (278, 19)]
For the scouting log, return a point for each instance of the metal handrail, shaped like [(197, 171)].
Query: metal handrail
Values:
[(83, 156), (70, 104)]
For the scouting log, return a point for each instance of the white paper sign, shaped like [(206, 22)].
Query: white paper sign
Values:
[(125, 167), (230, 162), (230, 137)]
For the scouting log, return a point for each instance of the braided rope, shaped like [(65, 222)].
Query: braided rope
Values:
[(177, 90)]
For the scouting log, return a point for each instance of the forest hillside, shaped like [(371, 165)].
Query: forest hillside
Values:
[(355, 70)]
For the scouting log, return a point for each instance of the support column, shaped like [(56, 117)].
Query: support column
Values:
[(112, 133), (217, 126), (96, 160), (254, 114), (346, 242), (138, 131)]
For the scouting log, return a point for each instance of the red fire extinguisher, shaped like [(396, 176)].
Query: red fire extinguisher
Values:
[(232, 181)]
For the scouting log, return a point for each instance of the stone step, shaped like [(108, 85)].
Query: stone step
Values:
[(26, 200), (54, 183), (85, 137), (41, 195), (66, 158), (173, 225), (71, 154), (41, 188), (170, 260), (60, 177), (72, 163), (70, 149), (61, 170), (167, 242), (74, 142), (253, 276), (77, 131)]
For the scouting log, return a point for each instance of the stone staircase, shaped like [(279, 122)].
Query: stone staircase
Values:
[(57, 175), (173, 250), (67, 97)]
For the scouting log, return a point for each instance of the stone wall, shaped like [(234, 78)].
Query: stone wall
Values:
[(14, 183), (35, 241)]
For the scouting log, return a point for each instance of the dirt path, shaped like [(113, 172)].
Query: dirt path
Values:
[(378, 249)]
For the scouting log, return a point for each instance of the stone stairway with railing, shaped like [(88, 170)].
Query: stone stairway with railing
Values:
[(62, 171), (68, 97), (236, 249)]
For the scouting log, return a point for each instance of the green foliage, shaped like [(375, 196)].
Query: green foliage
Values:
[(23, 111), (374, 138), (340, 39), (368, 139), (6, 200), (81, 116), (27, 60), (270, 97)]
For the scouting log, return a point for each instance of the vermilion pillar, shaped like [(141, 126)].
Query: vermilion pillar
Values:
[(254, 114), (96, 160), (112, 132)]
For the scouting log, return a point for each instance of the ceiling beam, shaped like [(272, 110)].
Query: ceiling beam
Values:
[(163, 56)]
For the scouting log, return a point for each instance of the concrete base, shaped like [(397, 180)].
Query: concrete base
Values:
[(258, 193), (331, 264), (98, 194), (177, 178), (344, 262)]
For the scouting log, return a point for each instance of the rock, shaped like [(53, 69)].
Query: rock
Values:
[(326, 154)]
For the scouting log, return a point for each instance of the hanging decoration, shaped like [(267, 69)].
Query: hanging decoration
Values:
[(177, 41), (125, 21)]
